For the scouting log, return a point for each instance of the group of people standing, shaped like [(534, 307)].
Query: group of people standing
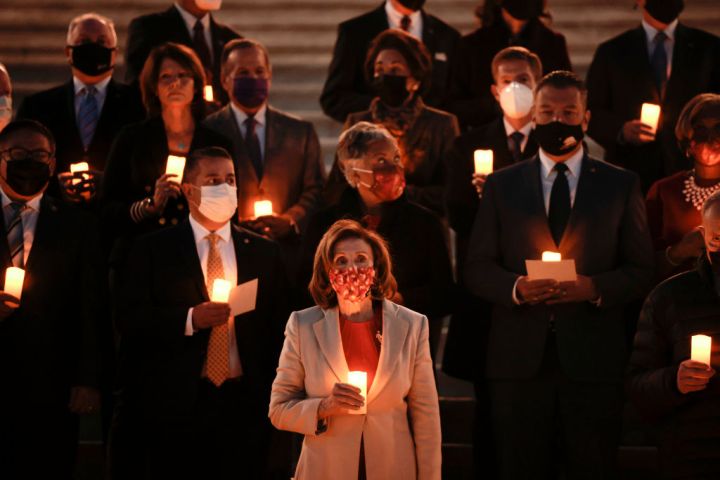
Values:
[(118, 314)]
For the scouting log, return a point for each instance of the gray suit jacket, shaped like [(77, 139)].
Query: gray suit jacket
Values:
[(293, 175)]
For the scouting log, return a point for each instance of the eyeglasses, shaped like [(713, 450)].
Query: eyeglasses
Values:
[(19, 153)]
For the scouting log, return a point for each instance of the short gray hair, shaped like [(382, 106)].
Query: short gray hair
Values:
[(712, 202), (356, 140), (91, 16)]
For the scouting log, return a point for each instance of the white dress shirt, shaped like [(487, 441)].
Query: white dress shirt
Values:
[(240, 118), (650, 33), (394, 17), (226, 249), (190, 21), (525, 130), (100, 95), (28, 217)]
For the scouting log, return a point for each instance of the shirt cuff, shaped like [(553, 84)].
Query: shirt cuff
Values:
[(189, 330), (515, 298)]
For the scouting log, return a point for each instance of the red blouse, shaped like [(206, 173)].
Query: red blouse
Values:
[(670, 216), (361, 346)]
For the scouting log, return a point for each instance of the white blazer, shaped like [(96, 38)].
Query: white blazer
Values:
[(401, 430)]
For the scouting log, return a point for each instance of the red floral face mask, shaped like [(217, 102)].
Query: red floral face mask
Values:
[(352, 284)]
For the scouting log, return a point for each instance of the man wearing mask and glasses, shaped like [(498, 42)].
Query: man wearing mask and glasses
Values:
[(662, 62), (556, 353), (85, 113), (49, 350), (346, 89), (197, 379)]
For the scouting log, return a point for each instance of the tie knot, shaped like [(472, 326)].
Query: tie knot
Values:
[(560, 167), (213, 238), (517, 136), (250, 123), (405, 23), (89, 90), (660, 37), (199, 27), (18, 206)]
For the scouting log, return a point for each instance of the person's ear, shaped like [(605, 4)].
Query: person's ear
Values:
[(68, 54), (187, 190), (586, 120), (495, 93)]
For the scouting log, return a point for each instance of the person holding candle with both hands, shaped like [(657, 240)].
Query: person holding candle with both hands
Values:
[(668, 378), (355, 326)]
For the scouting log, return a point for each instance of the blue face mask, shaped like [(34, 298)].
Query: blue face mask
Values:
[(250, 92)]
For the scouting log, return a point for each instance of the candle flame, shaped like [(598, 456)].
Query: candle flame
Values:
[(551, 257)]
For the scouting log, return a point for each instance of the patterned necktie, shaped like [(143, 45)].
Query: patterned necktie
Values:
[(218, 351), (253, 146), (515, 143), (559, 211), (200, 46), (405, 23), (15, 237), (88, 115), (659, 62)]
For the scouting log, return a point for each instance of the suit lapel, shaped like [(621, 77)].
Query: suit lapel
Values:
[(393, 338), (273, 139), (187, 252), (217, 42), (327, 332), (585, 195), (179, 30), (428, 32), (45, 231)]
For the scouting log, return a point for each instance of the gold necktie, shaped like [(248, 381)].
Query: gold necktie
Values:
[(218, 349)]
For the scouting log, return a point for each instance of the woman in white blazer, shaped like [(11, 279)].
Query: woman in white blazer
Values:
[(399, 436)]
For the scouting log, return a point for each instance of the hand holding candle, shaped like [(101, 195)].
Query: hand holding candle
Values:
[(175, 166), (694, 374), (359, 380), (650, 116), (483, 162), (220, 291), (263, 208), (14, 280), (701, 348)]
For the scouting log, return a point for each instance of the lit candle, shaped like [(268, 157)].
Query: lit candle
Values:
[(551, 257), (14, 278), (701, 348), (484, 161), (208, 93), (221, 291), (263, 208), (650, 115), (79, 167), (359, 380), (176, 166)]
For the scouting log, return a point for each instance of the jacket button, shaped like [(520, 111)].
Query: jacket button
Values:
[(180, 206), (162, 221), (246, 241), (174, 221)]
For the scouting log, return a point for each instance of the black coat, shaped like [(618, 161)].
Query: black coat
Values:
[(469, 96), (620, 80), (607, 236), (55, 108), (415, 235), (149, 31), (161, 367), (346, 89), (682, 306)]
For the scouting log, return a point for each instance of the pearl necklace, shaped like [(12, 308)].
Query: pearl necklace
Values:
[(695, 194)]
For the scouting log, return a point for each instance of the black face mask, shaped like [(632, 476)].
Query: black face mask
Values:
[(27, 177), (412, 4), (392, 89), (523, 9), (664, 11), (92, 59), (558, 138)]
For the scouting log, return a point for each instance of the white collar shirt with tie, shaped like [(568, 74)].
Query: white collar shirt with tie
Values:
[(29, 217), (525, 130), (190, 21), (651, 32), (101, 89), (260, 124), (394, 18), (548, 174), (226, 249)]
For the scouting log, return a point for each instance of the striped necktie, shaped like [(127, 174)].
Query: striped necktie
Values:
[(218, 352), (15, 237), (88, 116)]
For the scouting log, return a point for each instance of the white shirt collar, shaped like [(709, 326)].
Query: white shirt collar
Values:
[(573, 163), (241, 116), (101, 86), (509, 129), (200, 233), (394, 17), (33, 203), (190, 19), (651, 31)]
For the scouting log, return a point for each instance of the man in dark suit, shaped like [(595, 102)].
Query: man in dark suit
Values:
[(346, 89), (632, 69), (49, 358), (556, 353), (277, 156), (516, 71), (187, 22), (196, 379), (516, 23), (85, 113)]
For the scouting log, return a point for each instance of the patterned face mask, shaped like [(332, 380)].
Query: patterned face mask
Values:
[(352, 284)]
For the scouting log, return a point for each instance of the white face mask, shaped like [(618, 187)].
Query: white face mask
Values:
[(218, 202), (516, 100), (208, 4), (5, 111)]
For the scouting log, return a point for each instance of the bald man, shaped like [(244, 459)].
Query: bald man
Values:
[(85, 113), (5, 97)]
